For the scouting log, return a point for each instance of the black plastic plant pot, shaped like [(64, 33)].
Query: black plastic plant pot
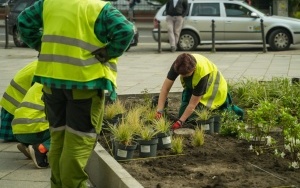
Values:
[(155, 101), (122, 152), (148, 148), (164, 141), (217, 124), (295, 80), (114, 121), (206, 125)]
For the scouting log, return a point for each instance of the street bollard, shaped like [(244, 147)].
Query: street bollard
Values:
[(159, 41), (6, 32), (213, 50), (263, 35)]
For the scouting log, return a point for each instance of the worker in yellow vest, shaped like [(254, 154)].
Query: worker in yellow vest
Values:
[(203, 83), (31, 127), (78, 49), (10, 101)]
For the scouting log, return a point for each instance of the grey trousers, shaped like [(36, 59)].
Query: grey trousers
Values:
[(174, 24)]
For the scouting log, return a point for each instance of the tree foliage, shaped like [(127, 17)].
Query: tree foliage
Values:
[(294, 7)]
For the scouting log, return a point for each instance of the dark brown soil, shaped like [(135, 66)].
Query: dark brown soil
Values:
[(221, 162)]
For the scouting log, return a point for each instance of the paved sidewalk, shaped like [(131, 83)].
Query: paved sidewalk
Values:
[(139, 69)]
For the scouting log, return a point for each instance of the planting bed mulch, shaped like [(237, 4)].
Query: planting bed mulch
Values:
[(220, 162)]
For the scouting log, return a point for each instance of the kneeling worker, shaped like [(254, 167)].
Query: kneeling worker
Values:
[(31, 127), (203, 83)]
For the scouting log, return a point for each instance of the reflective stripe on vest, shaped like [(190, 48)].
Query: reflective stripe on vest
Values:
[(216, 90), (18, 87), (29, 121), (29, 116), (11, 100), (32, 106), (66, 53), (71, 60)]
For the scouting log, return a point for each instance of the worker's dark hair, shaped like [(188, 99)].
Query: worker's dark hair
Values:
[(184, 64)]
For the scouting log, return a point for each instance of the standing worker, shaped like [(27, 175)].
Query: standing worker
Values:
[(176, 10), (204, 86), (79, 46)]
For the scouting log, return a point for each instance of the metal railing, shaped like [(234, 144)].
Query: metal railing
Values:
[(213, 49)]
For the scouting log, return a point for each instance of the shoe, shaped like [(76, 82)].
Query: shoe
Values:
[(24, 149), (40, 159), (173, 48)]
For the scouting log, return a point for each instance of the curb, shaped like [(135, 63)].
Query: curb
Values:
[(105, 172)]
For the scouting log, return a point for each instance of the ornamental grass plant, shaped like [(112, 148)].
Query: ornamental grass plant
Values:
[(162, 125), (198, 137), (122, 133), (177, 144), (113, 109)]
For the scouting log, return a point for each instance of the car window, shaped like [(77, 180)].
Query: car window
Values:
[(7, 2), (206, 9), (20, 7), (235, 10), (3, 1), (189, 6)]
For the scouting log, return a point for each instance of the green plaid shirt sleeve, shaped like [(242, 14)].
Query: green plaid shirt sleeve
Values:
[(30, 23), (113, 28), (5, 126)]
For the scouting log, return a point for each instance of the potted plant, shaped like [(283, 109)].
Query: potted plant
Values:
[(113, 113), (204, 119), (147, 141), (163, 126), (122, 140)]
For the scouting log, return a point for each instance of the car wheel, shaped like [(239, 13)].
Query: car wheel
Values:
[(17, 39), (188, 41), (279, 39)]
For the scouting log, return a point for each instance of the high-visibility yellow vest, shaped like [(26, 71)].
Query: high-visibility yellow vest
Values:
[(68, 41), (18, 88), (30, 116), (216, 92)]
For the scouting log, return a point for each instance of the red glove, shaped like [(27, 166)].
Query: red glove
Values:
[(158, 114), (177, 125)]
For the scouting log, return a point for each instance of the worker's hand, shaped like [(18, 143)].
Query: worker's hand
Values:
[(159, 114), (101, 55), (177, 125)]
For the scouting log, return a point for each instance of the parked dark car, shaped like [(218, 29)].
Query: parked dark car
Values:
[(12, 20), (20, 6), (5, 6)]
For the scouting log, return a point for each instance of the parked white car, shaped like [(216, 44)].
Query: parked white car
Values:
[(235, 23)]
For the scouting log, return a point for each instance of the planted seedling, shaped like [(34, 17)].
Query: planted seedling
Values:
[(177, 144), (198, 137)]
